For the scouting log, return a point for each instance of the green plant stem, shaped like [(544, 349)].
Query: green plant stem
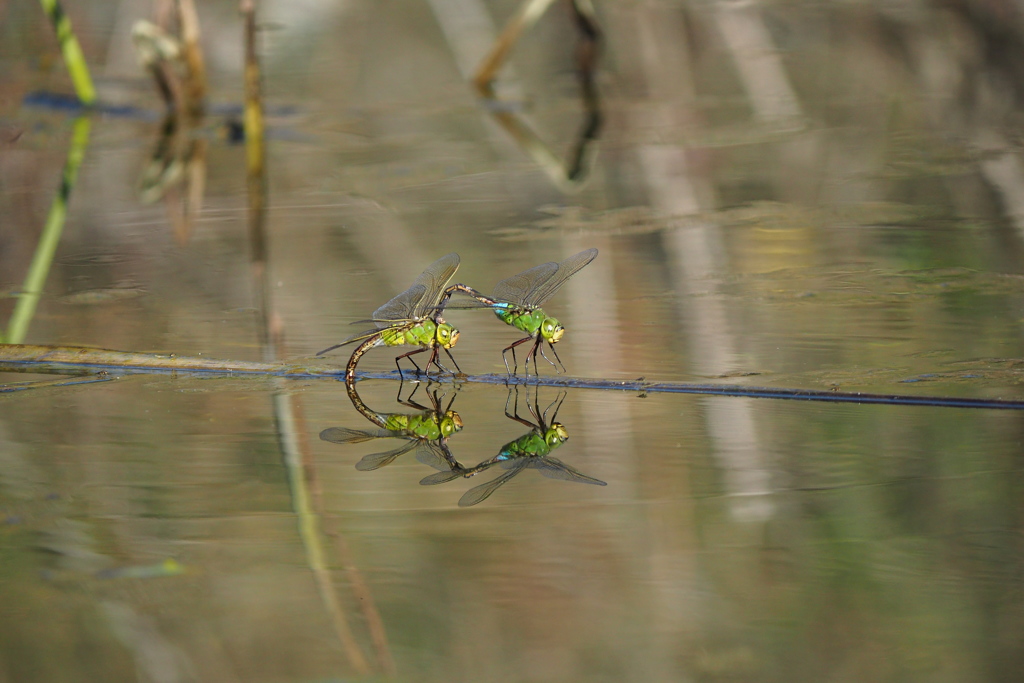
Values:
[(32, 289), (73, 57)]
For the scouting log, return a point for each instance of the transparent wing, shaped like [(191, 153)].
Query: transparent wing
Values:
[(377, 460), (553, 468), (518, 289), (346, 435), (566, 269), (378, 322), (434, 279), (401, 307), (478, 494), (532, 287), (365, 334), (440, 477), (432, 455), (423, 296)]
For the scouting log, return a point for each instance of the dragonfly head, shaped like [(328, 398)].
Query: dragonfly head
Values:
[(450, 423), (551, 330), (446, 335), (555, 435)]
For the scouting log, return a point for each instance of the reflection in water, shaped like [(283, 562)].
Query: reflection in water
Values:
[(175, 61), (426, 432), (176, 174), (532, 450), (696, 251), (517, 301), (414, 318), (35, 279), (465, 33), (753, 540)]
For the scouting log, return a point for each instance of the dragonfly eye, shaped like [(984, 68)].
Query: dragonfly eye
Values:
[(450, 423), (447, 335), (552, 330), (556, 435)]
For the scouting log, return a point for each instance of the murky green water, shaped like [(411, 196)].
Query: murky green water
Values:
[(783, 195)]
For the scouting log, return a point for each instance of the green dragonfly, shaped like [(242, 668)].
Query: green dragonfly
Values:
[(426, 432), (517, 302), (530, 451), (412, 318)]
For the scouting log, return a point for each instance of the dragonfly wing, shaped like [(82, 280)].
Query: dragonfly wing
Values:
[(346, 435), (382, 323), (376, 460), (478, 494), (401, 307), (440, 459), (431, 455), (553, 468), (365, 334), (434, 279), (566, 269), (518, 289), (440, 477)]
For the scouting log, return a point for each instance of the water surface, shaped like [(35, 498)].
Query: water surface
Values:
[(817, 211)]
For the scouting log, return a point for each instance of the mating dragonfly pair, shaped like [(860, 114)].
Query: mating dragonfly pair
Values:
[(415, 317), (427, 431)]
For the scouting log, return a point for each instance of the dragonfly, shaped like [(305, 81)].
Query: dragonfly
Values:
[(412, 318), (530, 451), (425, 431), (517, 302)]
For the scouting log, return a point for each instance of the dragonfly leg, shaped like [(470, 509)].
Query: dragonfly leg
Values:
[(409, 356), (533, 353), (545, 356), (512, 347), (433, 361), (441, 368), (449, 406), (505, 360), (552, 347), (453, 361), (408, 399), (515, 410), (509, 398), (557, 405)]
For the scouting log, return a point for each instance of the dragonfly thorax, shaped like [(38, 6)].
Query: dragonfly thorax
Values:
[(423, 333), (428, 426), (531, 321)]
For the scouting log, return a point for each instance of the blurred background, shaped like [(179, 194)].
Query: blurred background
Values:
[(821, 195)]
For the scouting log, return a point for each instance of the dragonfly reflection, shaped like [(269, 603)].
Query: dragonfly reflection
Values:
[(530, 451), (425, 431)]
